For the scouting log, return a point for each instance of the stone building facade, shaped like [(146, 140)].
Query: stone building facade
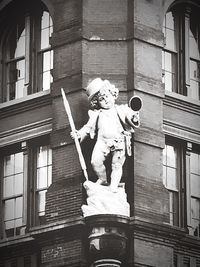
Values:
[(148, 48)]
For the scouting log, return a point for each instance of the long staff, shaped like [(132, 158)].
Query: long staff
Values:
[(73, 128)]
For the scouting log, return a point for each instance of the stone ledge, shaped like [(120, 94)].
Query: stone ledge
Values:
[(26, 103)]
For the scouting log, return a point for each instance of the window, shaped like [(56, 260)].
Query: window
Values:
[(170, 177), (194, 60), (181, 177), (13, 193), (45, 54), (28, 57), (172, 181), (194, 187), (27, 174), (180, 56), (169, 54), (44, 180)]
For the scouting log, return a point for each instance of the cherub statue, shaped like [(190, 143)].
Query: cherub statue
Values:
[(112, 126)]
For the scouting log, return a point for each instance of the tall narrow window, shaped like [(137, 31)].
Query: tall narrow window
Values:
[(28, 56), (45, 53), (169, 54), (44, 179), (194, 42), (13, 193), (195, 192), (171, 181)]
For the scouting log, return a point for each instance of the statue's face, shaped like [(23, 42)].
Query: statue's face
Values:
[(105, 99)]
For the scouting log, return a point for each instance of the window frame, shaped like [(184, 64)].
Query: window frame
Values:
[(182, 14), (29, 148), (174, 55), (180, 148), (32, 79), (184, 149), (13, 149), (191, 148), (34, 145)]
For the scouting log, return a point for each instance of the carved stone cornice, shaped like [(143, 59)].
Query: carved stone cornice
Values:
[(163, 233), (182, 103), (25, 132), (181, 131)]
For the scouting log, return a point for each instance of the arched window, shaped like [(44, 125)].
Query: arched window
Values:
[(181, 57), (27, 54)]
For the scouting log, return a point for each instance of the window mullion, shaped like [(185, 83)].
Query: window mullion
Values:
[(27, 53), (33, 173), (183, 187), (25, 192), (37, 60), (2, 229), (180, 48), (179, 178), (7, 84), (187, 55), (188, 189)]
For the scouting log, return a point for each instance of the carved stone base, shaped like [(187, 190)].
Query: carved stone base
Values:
[(107, 240), (101, 200), (107, 263)]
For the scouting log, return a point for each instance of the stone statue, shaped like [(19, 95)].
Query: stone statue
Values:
[(111, 125)]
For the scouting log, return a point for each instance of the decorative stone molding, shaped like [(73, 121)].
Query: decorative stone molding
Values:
[(108, 239), (107, 263)]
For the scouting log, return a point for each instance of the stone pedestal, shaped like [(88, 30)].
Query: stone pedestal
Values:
[(101, 200), (107, 263), (107, 239)]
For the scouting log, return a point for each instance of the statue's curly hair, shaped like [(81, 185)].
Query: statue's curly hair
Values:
[(94, 101)]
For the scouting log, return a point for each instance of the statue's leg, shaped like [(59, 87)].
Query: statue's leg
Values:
[(117, 167), (99, 155)]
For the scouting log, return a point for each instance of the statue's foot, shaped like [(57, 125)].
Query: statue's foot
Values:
[(101, 182)]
